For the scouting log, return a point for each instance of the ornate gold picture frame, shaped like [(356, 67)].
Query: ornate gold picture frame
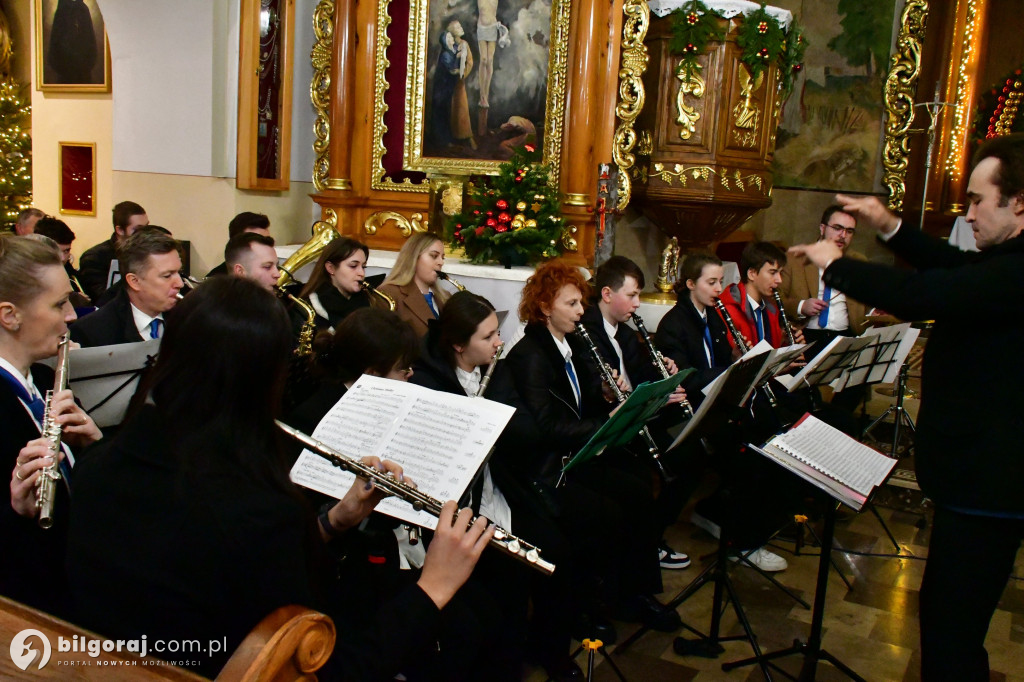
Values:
[(72, 53), (77, 182), (484, 76)]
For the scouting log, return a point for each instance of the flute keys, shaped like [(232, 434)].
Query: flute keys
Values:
[(513, 546), (499, 534), (533, 556)]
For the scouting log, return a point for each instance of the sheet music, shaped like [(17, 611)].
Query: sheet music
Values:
[(759, 349), (835, 454), (880, 359), (831, 362), (439, 439)]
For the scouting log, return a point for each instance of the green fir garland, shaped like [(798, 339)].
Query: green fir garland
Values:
[(693, 27), (762, 40), (997, 110), (792, 61), (513, 218)]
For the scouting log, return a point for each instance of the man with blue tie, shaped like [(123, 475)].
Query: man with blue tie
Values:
[(152, 280), (823, 312), (749, 302)]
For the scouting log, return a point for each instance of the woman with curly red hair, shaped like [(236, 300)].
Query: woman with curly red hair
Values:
[(561, 389)]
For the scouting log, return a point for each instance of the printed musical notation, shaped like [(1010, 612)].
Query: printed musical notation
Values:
[(440, 439)]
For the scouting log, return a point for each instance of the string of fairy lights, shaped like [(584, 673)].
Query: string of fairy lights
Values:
[(15, 151)]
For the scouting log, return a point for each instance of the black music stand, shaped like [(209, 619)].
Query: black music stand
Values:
[(900, 418), (595, 646), (811, 649)]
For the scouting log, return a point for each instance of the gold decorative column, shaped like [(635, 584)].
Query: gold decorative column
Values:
[(345, 82)]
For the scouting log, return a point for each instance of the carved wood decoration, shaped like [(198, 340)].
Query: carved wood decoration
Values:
[(712, 137), (359, 93)]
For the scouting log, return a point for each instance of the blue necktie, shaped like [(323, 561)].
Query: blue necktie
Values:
[(707, 342), (38, 408), (823, 315), (759, 320), (154, 328), (575, 383), (430, 302)]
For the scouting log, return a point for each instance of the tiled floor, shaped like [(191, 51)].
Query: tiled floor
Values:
[(872, 627)]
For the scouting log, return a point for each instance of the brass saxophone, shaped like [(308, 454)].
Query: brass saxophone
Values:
[(656, 358), (308, 330), (370, 289), (451, 280), (490, 370), (420, 501), (46, 488), (784, 317), (620, 396), (738, 340)]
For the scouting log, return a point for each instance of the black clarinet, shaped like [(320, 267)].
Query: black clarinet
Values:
[(657, 360), (784, 318), (738, 340), (620, 396)]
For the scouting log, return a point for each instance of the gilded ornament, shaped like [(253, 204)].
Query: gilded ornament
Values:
[(745, 114), (631, 92), (568, 240), (521, 206), (531, 224), (900, 86), (669, 266), (375, 221), (320, 90), (690, 84), (451, 199), (535, 207), (730, 179)]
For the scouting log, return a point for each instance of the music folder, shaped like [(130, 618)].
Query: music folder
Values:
[(629, 420), (827, 458)]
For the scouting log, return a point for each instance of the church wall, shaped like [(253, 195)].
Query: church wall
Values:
[(166, 138)]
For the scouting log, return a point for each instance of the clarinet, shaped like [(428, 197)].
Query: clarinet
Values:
[(490, 370), (738, 340), (420, 501), (657, 359), (620, 396), (46, 491), (785, 318)]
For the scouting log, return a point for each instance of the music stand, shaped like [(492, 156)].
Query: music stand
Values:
[(900, 418)]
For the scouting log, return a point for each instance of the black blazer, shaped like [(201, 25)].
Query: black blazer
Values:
[(32, 568), (538, 370), (634, 353), (681, 337), (972, 407), (207, 556), (94, 266), (111, 324)]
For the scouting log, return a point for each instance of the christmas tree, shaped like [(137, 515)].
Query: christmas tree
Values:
[(15, 152), (512, 218)]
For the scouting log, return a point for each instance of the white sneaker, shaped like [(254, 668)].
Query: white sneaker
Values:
[(769, 562)]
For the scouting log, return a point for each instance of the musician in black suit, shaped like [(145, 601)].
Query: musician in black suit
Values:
[(94, 266), (34, 313), (967, 450), (244, 222), (563, 393), (152, 280)]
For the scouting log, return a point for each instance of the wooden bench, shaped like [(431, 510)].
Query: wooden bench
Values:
[(290, 644)]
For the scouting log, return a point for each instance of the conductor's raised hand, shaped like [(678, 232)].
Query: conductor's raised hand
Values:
[(453, 553), (820, 253), (869, 211)]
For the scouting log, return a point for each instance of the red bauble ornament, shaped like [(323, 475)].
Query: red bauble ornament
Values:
[(490, 214), (530, 148), (480, 231), (692, 18), (491, 222), (518, 178), (504, 217), (501, 228), (501, 204), (762, 27), (797, 67), (476, 212)]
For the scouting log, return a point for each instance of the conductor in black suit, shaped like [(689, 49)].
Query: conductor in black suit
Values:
[(972, 409), (152, 280)]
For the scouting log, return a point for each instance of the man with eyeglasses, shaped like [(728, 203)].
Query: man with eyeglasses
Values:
[(822, 311)]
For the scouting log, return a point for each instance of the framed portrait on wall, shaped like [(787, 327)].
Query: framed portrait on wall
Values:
[(72, 54), (484, 76)]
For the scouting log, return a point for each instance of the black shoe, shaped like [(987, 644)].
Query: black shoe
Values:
[(594, 627), (647, 610), (563, 669)]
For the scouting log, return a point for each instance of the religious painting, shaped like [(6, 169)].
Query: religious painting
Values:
[(484, 77), (72, 54), (77, 164), (831, 128)]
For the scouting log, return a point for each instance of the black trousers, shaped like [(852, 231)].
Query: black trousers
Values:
[(970, 559)]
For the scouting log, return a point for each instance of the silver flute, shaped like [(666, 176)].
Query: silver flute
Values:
[(46, 487), (738, 340), (657, 359), (420, 501), (620, 396), (490, 370), (784, 317)]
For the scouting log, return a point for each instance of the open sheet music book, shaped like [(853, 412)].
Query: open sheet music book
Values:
[(826, 457), (440, 439)]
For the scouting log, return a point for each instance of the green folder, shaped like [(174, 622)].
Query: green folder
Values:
[(624, 425)]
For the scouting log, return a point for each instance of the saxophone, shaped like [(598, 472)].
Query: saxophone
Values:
[(370, 289), (451, 280), (308, 330), (46, 491)]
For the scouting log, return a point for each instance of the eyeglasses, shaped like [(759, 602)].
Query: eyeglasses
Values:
[(850, 231)]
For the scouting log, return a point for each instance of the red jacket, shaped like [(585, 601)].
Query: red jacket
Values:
[(742, 313)]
